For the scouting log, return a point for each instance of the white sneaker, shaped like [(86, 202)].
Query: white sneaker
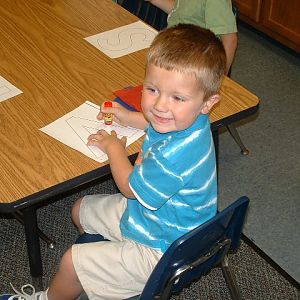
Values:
[(23, 295)]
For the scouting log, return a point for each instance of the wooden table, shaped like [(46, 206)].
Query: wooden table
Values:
[(43, 53)]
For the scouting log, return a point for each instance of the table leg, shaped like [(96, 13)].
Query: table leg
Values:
[(19, 217), (32, 240)]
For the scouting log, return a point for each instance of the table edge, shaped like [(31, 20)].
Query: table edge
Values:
[(97, 174)]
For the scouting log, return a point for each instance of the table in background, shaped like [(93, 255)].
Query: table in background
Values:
[(43, 53)]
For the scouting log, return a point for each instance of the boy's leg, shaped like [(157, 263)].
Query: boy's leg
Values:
[(113, 270), (66, 275), (65, 285), (100, 214)]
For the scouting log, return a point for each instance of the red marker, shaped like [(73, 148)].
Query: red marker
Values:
[(108, 117)]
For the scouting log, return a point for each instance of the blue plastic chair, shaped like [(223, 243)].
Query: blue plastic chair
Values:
[(147, 12), (196, 253)]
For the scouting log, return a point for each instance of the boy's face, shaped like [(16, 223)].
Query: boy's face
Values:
[(171, 100)]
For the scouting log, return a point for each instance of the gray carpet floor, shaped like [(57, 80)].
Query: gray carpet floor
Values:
[(269, 176)]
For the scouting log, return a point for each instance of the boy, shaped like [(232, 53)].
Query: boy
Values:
[(172, 187), (215, 15)]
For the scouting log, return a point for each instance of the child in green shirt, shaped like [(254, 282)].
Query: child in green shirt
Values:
[(216, 15)]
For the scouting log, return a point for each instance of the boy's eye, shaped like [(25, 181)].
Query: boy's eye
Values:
[(178, 98), (151, 90)]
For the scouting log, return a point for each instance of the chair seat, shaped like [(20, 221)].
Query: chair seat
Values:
[(89, 238)]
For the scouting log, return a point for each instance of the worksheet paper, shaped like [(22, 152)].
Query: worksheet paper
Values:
[(74, 128), (7, 90), (123, 40)]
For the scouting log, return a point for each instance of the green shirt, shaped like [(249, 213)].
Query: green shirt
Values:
[(216, 15)]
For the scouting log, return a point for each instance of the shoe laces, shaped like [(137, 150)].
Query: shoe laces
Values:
[(23, 295)]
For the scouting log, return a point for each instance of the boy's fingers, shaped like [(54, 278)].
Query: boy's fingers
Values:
[(102, 132), (92, 137)]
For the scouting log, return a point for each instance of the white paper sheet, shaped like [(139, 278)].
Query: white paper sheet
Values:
[(74, 128), (123, 40), (7, 90)]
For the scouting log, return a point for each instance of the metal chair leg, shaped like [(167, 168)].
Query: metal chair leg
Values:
[(235, 135), (230, 279), (19, 217)]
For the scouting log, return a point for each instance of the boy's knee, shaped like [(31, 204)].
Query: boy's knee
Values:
[(67, 258), (67, 265), (75, 213)]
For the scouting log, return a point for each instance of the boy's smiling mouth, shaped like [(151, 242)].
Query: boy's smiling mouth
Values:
[(160, 119)]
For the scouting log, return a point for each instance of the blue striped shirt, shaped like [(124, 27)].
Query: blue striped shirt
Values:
[(175, 186)]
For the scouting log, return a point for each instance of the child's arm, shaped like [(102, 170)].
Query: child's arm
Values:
[(120, 165), (165, 5), (230, 44), (124, 116)]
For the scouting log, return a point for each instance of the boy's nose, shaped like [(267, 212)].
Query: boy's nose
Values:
[(161, 103)]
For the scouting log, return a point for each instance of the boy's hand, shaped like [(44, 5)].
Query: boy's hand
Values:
[(105, 141), (120, 113), (123, 116)]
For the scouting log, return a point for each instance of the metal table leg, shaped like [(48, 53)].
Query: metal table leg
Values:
[(235, 135), (19, 217), (33, 242)]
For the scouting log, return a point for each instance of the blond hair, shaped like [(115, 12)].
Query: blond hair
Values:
[(191, 50)]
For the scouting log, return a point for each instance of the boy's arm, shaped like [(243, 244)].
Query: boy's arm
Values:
[(165, 5), (120, 165), (124, 116), (229, 41), (121, 169)]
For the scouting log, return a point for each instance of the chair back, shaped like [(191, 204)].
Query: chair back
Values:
[(147, 12), (197, 252)]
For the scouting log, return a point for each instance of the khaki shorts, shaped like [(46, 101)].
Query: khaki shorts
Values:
[(115, 269)]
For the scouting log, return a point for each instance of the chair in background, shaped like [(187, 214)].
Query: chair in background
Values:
[(196, 253), (156, 18), (147, 12)]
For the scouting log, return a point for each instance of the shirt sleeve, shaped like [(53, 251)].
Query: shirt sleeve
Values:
[(155, 181), (219, 17)]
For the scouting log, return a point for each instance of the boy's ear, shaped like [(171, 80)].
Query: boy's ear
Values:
[(209, 103)]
